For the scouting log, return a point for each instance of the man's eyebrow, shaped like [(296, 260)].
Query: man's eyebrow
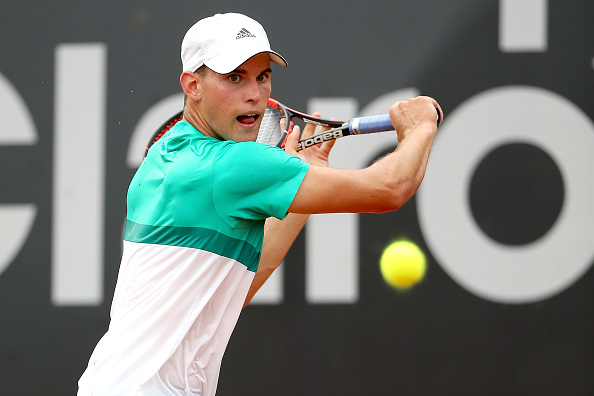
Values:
[(243, 71)]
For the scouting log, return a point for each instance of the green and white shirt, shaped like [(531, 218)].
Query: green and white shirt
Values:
[(194, 232)]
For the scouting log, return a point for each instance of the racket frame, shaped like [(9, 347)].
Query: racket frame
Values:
[(290, 114)]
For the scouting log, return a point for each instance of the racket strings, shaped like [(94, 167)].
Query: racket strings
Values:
[(270, 131)]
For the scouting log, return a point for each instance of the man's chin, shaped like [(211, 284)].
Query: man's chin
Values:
[(245, 137)]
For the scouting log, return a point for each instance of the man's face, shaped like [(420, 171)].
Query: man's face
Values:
[(232, 105)]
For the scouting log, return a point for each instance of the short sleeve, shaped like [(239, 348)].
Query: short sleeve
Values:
[(255, 181)]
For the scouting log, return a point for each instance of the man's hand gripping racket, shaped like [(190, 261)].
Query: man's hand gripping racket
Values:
[(273, 132)]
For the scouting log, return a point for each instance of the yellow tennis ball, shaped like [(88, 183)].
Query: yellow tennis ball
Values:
[(402, 264)]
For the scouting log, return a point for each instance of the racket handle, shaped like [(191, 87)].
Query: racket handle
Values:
[(370, 124), (377, 123)]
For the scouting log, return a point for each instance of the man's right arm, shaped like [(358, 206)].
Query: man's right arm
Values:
[(389, 182)]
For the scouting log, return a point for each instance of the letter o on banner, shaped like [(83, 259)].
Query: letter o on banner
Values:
[(488, 269)]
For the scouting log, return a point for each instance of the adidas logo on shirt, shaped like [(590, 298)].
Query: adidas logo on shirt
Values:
[(243, 33)]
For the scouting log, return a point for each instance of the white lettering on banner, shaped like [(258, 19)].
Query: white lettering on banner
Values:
[(523, 25), (79, 174), (18, 127), (496, 272), (16, 220)]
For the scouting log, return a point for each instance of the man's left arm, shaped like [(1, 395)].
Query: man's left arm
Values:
[(279, 235)]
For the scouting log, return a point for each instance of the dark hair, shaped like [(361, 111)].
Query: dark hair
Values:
[(201, 70)]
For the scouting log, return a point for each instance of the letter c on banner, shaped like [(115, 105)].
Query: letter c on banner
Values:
[(497, 272), (18, 129)]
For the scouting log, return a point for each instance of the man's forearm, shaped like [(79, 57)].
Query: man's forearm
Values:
[(278, 239)]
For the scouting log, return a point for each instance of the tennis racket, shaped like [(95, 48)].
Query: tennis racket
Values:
[(270, 129), (270, 132)]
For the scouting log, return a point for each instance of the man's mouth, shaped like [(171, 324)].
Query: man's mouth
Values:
[(248, 119)]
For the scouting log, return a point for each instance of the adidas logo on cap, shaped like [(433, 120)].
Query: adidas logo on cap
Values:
[(243, 33)]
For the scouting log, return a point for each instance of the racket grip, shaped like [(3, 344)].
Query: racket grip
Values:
[(370, 124), (377, 123)]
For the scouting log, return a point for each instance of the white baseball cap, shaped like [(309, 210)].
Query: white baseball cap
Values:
[(223, 42)]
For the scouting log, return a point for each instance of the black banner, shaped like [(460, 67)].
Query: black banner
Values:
[(504, 216)]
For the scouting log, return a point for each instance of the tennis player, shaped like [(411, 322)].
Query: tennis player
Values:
[(198, 244)]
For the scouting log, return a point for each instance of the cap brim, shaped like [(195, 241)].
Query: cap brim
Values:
[(278, 59)]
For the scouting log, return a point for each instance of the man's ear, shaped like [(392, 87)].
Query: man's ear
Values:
[(190, 85)]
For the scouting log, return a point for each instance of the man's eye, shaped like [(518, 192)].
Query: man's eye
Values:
[(262, 78), (234, 78)]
